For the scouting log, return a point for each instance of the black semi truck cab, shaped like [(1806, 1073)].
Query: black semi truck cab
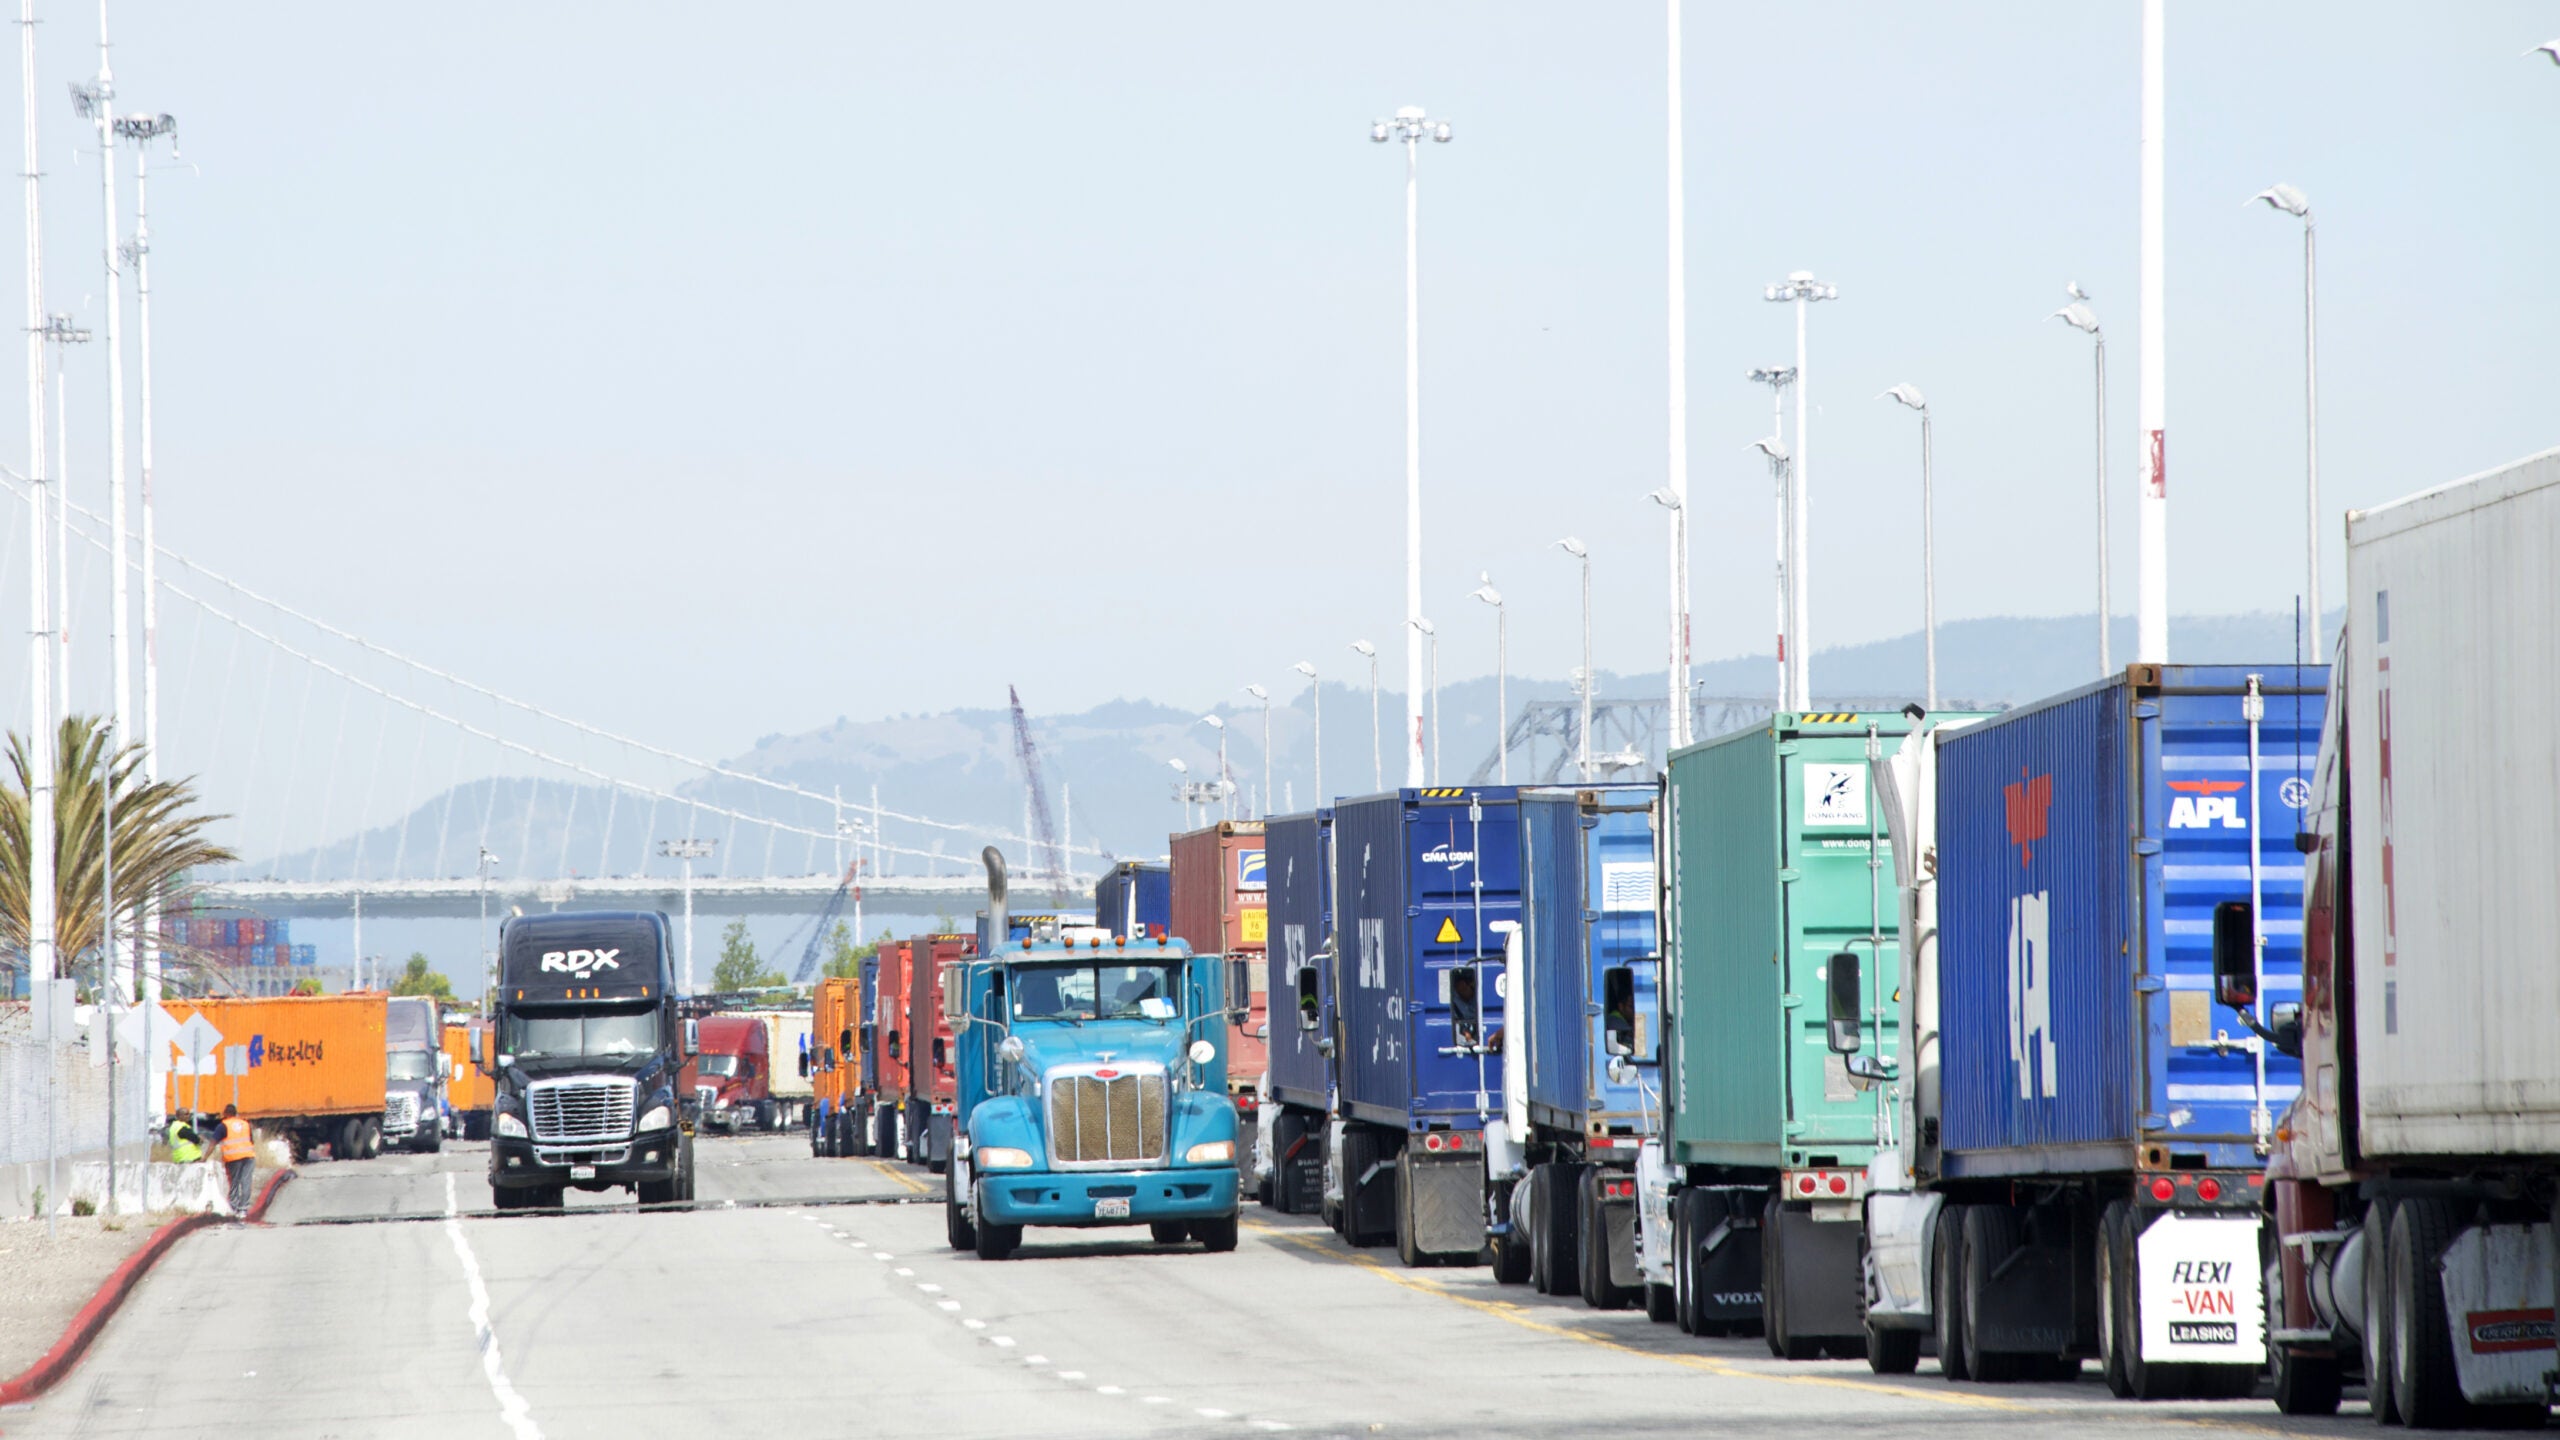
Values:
[(585, 1044)]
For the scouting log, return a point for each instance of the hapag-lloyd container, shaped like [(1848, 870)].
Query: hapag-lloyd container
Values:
[(2083, 843), (1220, 904), (1298, 863), (1588, 890), (1428, 885), (1135, 899), (308, 1055)]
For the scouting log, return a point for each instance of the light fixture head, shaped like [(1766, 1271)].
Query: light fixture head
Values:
[(1257, 692), (1773, 447), (1664, 498), (1423, 624), (1214, 722), (2551, 49), (1487, 594), (1908, 394), (1178, 767), (1781, 375), (2078, 317), (1440, 132), (1769, 292), (1408, 112), (1378, 130), (1306, 668), (1365, 648), (2072, 289), (2285, 198), (1574, 547)]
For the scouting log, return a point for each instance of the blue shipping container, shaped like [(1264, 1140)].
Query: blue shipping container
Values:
[(864, 1007), (1589, 954), (1428, 883), (1298, 862), (2083, 843), (1136, 898)]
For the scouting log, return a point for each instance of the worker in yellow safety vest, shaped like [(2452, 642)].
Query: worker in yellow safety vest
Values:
[(239, 1157), (185, 1146)]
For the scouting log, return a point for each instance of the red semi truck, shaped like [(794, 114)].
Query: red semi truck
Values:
[(729, 1080), (1221, 906), (885, 1065), (931, 1085)]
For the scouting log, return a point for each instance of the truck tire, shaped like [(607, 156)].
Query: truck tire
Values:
[(2421, 1356), (956, 1227), (1659, 1306), (997, 1242), (1360, 1148), (1168, 1232), (369, 1138), (1990, 1238), (503, 1199), (434, 1143), (2143, 1380), (2377, 1311), (2306, 1384), (1407, 1253), (1559, 1228), (1946, 1291), (853, 1135), (659, 1192), (2111, 1338), (685, 1170), (1216, 1236), (343, 1141), (1892, 1352), (1511, 1248), (1684, 1262), (1591, 1247), (768, 1116)]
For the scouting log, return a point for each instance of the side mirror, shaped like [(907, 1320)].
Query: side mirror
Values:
[(2306, 842), (479, 1050), (1239, 986), (941, 1055), (804, 1064), (1842, 994), (1010, 1051), (1307, 1008), (2235, 957), (2284, 1026), (1618, 1010), (955, 993), (692, 1038), (444, 1066), (894, 1052)]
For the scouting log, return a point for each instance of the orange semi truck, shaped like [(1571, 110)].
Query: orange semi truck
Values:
[(310, 1068), (467, 1088), (838, 1122)]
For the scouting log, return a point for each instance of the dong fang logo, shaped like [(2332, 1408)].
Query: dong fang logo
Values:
[(580, 963)]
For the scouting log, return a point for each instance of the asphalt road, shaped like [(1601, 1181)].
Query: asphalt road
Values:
[(791, 1301)]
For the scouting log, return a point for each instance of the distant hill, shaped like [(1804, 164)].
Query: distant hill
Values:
[(1108, 769)]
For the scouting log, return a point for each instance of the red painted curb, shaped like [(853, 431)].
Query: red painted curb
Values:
[(266, 1196), (66, 1352)]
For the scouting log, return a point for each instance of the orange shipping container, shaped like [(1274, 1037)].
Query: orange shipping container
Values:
[(835, 1042), (468, 1089), (308, 1055)]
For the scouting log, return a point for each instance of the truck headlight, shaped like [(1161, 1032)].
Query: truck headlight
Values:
[(658, 1118), (1001, 1157), (1214, 1152), (510, 1126)]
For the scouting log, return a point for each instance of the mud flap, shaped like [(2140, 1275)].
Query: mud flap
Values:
[(1448, 1206), (2202, 1289), (1821, 1273), (1618, 1221), (1727, 1235), (2025, 1305), (2497, 1300)]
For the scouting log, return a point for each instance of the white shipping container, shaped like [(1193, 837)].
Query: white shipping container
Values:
[(2453, 655), (787, 1031)]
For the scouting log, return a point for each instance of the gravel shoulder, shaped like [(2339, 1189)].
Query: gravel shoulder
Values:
[(49, 1279)]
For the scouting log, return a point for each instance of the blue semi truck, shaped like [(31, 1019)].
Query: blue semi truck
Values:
[(1298, 862), (2078, 1171), (1091, 1088), (1580, 1047), (1426, 890)]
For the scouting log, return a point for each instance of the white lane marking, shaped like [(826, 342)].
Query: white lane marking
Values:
[(903, 1270), (1155, 1399), (882, 1255), (1269, 1425), (1208, 1414), (1035, 1359), (1003, 1341), (1070, 1374), (975, 1324), (948, 1304), (1109, 1390), (928, 1287), (511, 1406)]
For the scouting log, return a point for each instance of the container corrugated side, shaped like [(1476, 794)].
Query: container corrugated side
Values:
[(2453, 657), (1221, 906), (308, 1055), (1727, 1087), (1297, 863), (1587, 907), (1135, 898), (867, 1035), (1430, 883), (930, 1076)]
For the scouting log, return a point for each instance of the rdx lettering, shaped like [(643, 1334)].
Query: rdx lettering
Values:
[(580, 963)]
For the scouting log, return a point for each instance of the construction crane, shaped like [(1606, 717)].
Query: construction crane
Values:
[(1044, 830), (807, 974)]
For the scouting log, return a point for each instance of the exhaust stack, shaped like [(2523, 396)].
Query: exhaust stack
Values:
[(996, 920)]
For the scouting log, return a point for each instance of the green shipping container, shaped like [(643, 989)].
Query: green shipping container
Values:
[(1778, 862)]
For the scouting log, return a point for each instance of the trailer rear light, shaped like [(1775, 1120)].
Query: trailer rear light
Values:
[(1431, 1142), (1804, 1184), (1618, 1188), (1839, 1184), (2208, 1189), (2163, 1189)]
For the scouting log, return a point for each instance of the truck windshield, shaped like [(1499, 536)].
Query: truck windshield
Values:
[(1095, 992), (552, 1034), (722, 1066), (409, 1065)]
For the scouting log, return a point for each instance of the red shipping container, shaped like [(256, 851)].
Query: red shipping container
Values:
[(1221, 906)]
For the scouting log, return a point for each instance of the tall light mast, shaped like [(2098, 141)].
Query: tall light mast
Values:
[(40, 720), (2151, 574)]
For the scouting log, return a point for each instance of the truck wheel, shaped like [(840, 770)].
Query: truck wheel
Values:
[(1216, 1236), (503, 1199), (1946, 1292), (684, 1165), (1990, 1237), (1511, 1248), (2143, 1380), (1359, 1155), (1659, 1304), (1684, 1261), (2111, 1338), (1591, 1252), (1262, 1194), (2306, 1384), (768, 1116), (435, 1139), (1560, 1229), (956, 1227), (2421, 1354), (1892, 1352), (369, 1141), (656, 1192), (1168, 1232), (2377, 1311), (997, 1242)]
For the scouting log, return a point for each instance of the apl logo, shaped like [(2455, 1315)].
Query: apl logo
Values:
[(580, 963), (2031, 1044), (2203, 804)]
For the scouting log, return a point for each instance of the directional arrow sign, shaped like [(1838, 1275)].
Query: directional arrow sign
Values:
[(198, 1041)]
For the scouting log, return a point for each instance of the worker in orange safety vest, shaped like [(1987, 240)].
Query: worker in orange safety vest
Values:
[(239, 1157)]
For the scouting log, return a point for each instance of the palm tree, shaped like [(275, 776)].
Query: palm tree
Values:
[(159, 836)]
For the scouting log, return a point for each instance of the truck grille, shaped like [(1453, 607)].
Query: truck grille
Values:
[(1113, 1119), (580, 1112), (400, 1113)]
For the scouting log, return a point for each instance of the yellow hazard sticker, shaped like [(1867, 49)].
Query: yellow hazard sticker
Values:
[(1253, 925), (1448, 932)]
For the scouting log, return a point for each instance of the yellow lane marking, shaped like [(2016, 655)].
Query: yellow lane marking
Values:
[(1518, 1315), (901, 1176)]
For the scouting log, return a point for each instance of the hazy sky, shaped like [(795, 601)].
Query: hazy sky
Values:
[(718, 371)]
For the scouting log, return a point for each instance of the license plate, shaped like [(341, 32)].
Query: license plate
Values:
[(582, 1172), (1114, 1208)]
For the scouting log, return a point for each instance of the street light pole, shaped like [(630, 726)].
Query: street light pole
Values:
[(1573, 546), (488, 964), (2151, 508), (97, 101), (1676, 508), (1377, 754), (1315, 703), (142, 130), (2294, 203), (1778, 378), (1910, 396), (59, 330), (1431, 638), (1678, 324), (687, 851), (41, 620), (1226, 809), (1801, 289), (1409, 126), (2079, 316), (1501, 673), (1258, 693)]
